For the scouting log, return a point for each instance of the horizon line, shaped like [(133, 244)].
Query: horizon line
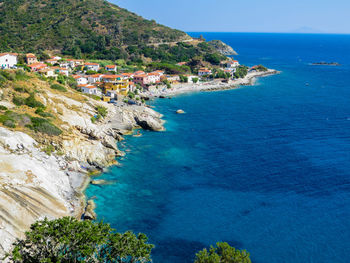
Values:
[(251, 32)]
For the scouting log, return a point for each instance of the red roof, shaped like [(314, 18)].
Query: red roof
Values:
[(92, 64), (111, 76), (30, 55), (139, 72), (153, 74), (96, 75), (110, 66), (141, 76), (4, 54), (37, 65)]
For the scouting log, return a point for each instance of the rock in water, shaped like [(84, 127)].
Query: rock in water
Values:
[(102, 182), (90, 211), (180, 112)]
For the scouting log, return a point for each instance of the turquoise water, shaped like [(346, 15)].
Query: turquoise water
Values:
[(265, 168)]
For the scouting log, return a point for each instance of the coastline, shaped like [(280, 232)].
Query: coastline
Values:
[(214, 85), (60, 181)]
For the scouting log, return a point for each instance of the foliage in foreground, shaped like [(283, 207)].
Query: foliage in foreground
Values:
[(222, 253), (69, 240)]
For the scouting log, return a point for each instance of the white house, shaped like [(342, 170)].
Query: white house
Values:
[(8, 60), (232, 64), (95, 78), (64, 71), (92, 90), (80, 80), (92, 66), (204, 72), (48, 73), (111, 68), (154, 77)]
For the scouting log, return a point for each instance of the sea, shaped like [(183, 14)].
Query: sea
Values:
[(265, 168)]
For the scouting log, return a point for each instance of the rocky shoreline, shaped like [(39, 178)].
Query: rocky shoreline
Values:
[(214, 85), (35, 184)]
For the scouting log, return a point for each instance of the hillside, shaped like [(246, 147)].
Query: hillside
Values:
[(94, 29), (91, 25)]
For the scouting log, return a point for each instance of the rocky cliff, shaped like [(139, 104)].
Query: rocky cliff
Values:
[(37, 183), (222, 48)]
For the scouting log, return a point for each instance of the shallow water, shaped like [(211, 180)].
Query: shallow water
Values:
[(265, 168)]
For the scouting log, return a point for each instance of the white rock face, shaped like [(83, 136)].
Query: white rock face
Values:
[(32, 186)]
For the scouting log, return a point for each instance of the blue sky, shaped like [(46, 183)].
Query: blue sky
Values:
[(318, 16)]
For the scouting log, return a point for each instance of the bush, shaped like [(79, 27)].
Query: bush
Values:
[(241, 72), (44, 126), (42, 113), (32, 102), (70, 240), (102, 111), (58, 87), (183, 79), (261, 68), (20, 89), (10, 123), (2, 107), (21, 75), (223, 252), (18, 101)]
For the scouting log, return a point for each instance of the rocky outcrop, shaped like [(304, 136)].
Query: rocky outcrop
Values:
[(222, 48), (34, 185)]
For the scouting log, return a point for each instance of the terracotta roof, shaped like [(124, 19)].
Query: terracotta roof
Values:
[(96, 75), (4, 54), (37, 65), (91, 87), (139, 72), (111, 76), (81, 85), (77, 76), (141, 76), (30, 55), (92, 64), (153, 74), (110, 66)]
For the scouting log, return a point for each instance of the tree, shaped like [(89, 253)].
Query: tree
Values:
[(68, 240), (222, 253), (195, 80), (241, 72)]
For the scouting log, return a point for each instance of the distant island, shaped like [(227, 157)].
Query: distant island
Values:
[(325, 63)]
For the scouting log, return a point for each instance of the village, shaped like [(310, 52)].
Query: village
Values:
[(109, 82)]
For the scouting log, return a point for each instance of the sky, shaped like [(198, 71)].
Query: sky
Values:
[(301, 16)]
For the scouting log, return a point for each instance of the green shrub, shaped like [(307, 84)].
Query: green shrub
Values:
[(2, 107), (20, 89), (21, 75), (102, 111), (18, 101), (42, 113), (44, 126), (49, 149), (10, 123), (222, 252), (58, 87), (70, 240), (32, 102), (93, 119)]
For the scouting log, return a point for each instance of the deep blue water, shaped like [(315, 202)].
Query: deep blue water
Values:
[(265, 168)]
